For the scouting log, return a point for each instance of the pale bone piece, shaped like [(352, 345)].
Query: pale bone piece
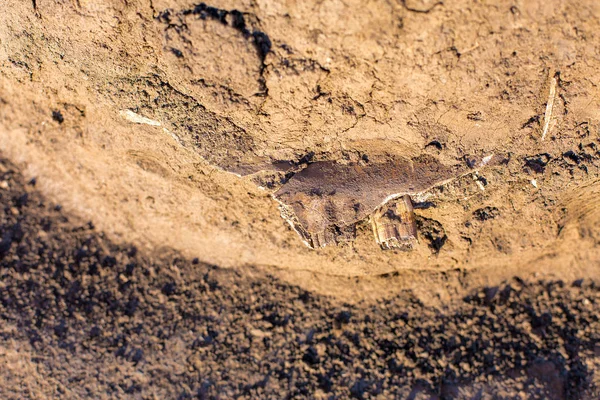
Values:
[(138, 119), (394, 225)]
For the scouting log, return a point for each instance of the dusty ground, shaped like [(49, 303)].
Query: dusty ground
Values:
[(170, 125)]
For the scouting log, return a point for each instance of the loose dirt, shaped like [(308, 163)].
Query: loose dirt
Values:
[(83, 317)]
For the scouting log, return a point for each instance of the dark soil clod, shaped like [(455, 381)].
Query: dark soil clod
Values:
[(486, 213), (436, 144), (538, 162), (433, 232), (58, 117)]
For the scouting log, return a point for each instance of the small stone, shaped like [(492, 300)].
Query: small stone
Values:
[(137, 355), (4, 185), (586, 302), (6, 243), (259, 334), (578, 283), (169, 289), (490, 293), (311, 356), (61, 329), (23, 200)]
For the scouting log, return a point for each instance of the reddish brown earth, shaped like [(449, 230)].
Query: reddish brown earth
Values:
[(133, 112)]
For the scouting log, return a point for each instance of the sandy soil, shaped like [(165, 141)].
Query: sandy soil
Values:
[(180, 130)]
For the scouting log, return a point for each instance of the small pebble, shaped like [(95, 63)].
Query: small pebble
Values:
[(4, 185), (586, 302)]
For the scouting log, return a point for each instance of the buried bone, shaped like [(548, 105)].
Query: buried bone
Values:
[(326, 200), (394, 224)]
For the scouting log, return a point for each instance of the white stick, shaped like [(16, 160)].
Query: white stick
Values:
[(549, 105)]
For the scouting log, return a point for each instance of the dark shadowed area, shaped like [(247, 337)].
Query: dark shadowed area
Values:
[(85, 318)]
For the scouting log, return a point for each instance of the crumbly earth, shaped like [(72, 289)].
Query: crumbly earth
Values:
[(83, 317)]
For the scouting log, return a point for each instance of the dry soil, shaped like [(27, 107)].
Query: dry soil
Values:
[(170, 125)]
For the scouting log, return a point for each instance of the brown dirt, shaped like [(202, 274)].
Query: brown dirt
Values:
[(85, 318), (171, 124)]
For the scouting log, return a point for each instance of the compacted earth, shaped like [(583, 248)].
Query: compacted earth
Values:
[(194, 125), (82, 317)]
